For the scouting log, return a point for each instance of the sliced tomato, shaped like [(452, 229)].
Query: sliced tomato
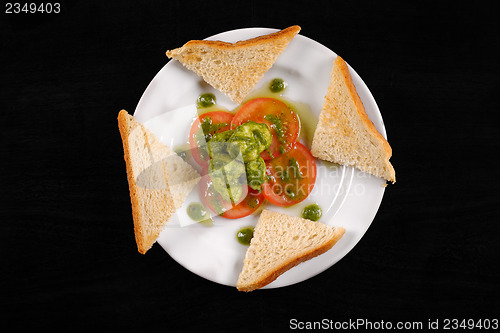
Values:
[(215, 122), (279, 117), (291, 176), (214, 201)]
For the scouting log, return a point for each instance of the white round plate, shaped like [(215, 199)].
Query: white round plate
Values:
[(348, 197)]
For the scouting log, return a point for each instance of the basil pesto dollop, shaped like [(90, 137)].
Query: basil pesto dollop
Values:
[(227, 176), (277, 85), (245, 235), (251, 138), (256, 173), (312, 212), (235, 159), (205, 100), (197, 212)]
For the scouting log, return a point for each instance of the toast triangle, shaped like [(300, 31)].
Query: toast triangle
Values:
[(281, 242), (344, 134), (234, 68), (159, 180)]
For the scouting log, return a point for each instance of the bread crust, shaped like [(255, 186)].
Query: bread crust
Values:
[(280, 243), (123, 127), (360, 108), (289, 32), (234, 68), (143, 239)]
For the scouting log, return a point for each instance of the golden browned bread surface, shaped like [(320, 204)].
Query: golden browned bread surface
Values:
[(158, 179), (234, 68), (281, 242), (345, 135)]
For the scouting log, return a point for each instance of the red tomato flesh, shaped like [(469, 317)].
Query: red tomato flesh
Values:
[(279, 117), (215, 122), (291, 176)]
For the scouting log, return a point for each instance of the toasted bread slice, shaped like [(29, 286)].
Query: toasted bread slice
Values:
[(159, 180), (345, 135), (234, 68), (281, 242)]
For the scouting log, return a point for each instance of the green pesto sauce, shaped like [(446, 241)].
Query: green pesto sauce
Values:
[(312, 212), (251, 138), (295, 168), (290, 192), (235, 159), (183, 150), (256, 173), (277, 85), (277, 126), (209, 128), (205, 100), (292, 172), (226, 174), (253, 201), (244, 235), (197, 212), (270, 153)]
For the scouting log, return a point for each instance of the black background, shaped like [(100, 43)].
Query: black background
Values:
[(69, 259)]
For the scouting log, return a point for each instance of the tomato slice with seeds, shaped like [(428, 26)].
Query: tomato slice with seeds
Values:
[(214, 201), (203, 128), (291, 176), (279, 117)]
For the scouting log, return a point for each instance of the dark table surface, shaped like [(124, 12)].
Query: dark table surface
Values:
[(69, 258)]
